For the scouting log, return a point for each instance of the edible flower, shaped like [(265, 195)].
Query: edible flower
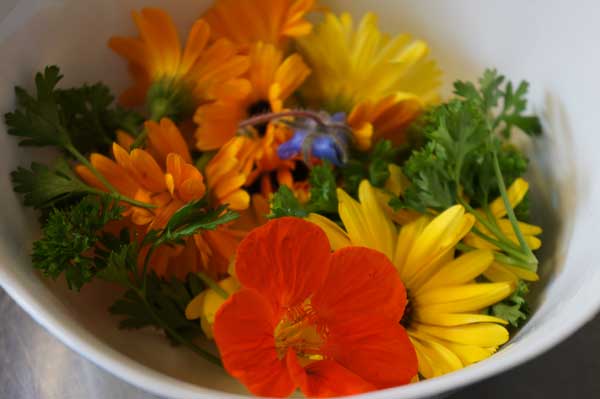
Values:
[(381, 82), (446, 322), (173, 81), (306, 318), (272, 80), (269, 21), (326, 139)]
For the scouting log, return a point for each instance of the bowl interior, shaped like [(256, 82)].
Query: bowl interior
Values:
[(546, 44)]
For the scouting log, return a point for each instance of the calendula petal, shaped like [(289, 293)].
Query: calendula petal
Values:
[(463, 298), (337, 237), (516, 192), (454, 319), (461, 270), (480, 334)]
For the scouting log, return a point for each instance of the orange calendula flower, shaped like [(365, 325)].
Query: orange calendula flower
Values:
[(198, 72), (272, 78), (304, 317), (268, 21)]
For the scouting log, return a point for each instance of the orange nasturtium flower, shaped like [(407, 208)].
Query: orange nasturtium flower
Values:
[(268, 21), (197, 72), (306, 318)]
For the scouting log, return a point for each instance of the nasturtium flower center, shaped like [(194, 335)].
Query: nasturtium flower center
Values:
[(298, 330)]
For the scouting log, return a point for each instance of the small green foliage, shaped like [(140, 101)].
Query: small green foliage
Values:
[(513, 309), (189, 220), (81, 118), (88, 114), (323, 196), (162, 306), (44, 187), (284, 203), (37, 120), (372, 165), (462, 146), (70, 237)]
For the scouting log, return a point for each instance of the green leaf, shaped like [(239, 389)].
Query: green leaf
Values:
[(44, 187), (284, 203), (36, 121), (513, 309), (162, 307), (323, 186), (88, 114), (372, 166), (82, 117), (69, 241), (191, 219)]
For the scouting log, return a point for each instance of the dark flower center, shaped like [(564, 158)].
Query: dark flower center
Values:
[(258, 108)]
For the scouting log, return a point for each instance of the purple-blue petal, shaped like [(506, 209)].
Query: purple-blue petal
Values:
[(324, 148), (293, 146)]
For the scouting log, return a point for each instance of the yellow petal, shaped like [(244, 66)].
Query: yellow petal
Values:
[(426, 366), (516, 192), (496, 273), (397, 182), (194, 309), (463, 298), (436, 240), (337, 237), (526, 228), (468, 354), (453, 319), (480, 334), (461, 270), (443, 360), (380, 228), (406, 239)]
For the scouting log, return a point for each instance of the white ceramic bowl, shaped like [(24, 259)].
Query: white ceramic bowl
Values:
[(553, 44)]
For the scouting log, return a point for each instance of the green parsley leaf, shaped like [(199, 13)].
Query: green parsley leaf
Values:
[(37, 120), (69, 241), (323, 196), (189, 220), (162, 306), (88, 114), (82, 118), (372, 165), (44, 187), (284, 203), (513, 309)]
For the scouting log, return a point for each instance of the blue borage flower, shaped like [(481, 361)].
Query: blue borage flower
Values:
[(326, 141), (316, 134)]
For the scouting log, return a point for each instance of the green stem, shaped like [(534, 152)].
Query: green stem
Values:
[(510, 211), (174, 334), (511, 251), (491, 226), (145, 268), (498, 257), (212, 284)]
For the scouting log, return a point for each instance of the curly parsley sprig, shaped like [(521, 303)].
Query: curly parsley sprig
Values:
[(461, 160)]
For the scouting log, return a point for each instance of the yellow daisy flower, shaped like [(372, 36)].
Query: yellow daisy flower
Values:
[(381, 82), (444, 318), (502, 271), (194, 75), (272, 78), (268, 21)]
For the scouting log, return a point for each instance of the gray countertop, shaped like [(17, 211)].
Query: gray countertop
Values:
[(35, 365)]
